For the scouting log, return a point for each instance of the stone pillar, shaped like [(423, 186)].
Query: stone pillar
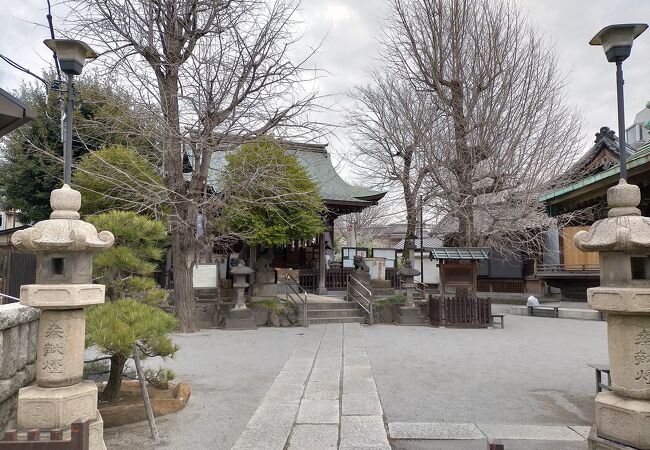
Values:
[(64, 247), (240, 317), (409, 314), (623, 241), (322, 266)]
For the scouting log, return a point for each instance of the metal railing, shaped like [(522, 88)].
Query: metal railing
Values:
[(568, 267), (421, 289), (360, 294), (294, 290)]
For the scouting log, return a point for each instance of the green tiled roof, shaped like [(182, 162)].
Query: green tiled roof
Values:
[(466, 253), (318, 164), (642, 156)]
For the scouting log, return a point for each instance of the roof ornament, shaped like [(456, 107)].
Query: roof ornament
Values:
[(605, 132)]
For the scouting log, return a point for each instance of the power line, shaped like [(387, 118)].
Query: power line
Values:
[(15, 65), (54, 55)]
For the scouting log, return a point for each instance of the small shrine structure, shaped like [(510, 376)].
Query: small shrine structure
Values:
[(457, 305)]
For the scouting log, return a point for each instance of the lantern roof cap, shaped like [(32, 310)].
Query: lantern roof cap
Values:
[(624, 229), (63, 231)]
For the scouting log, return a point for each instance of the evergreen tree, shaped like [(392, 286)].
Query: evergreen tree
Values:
[(131, 315), (281, 205), (31, 165)]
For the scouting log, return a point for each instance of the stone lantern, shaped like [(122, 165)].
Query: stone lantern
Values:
[(623, 241), (409, 314), (64, 247), (240, 317)]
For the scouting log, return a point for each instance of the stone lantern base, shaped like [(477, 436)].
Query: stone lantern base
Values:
[(50, 408), (240, 319), (621, 421), (410, 315)]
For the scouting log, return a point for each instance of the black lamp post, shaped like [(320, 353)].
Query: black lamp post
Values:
[(72, 55), (617, 44)]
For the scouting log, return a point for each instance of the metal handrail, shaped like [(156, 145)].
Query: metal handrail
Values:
[(567, 267), (288, 296), (367, 297), (10, 296)]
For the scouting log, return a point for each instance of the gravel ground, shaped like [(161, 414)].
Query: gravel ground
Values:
[(532, 372), (229, 373)]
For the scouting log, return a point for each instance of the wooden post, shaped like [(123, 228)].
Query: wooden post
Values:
[(322, 289), (145, 395)]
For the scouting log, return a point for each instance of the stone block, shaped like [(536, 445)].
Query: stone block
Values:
[(529, 432), (434, 431), (361, 404), (61, 296), (409, 315), (629, 355), (318, 411), (14, 314), (47, 408), (363, 432), (60, 352), (9, 351), (595, 442), (630, 300), (625, 421), (314, 437), (33, 341), (240, 319), (23, 348), (320, 390)]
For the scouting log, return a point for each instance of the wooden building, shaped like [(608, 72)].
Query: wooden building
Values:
[(585, 201)]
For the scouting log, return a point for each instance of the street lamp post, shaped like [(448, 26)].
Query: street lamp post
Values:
[(617, 44), (72, 55)]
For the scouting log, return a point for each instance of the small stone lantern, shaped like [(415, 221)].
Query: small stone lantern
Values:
[(623, 241), (240, 317), (64, 247), (409, 314)]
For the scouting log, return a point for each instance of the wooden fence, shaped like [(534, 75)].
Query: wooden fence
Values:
[(462, 312), (79, 439), (16, 269)]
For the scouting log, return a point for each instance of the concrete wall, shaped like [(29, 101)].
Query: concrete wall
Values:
[(18, 330)]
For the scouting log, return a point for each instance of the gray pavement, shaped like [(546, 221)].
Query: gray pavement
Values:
[(348, 387), (229, 372)]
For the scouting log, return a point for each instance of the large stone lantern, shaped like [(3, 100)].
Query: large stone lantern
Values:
[(409, 314), (64, 247), (623, 241), (240, 317)]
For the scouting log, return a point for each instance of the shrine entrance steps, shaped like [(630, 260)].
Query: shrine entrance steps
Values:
[(323, 309)]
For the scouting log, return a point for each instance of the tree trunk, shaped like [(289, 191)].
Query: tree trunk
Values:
[(112, 390), (411, 223), (184, 254)]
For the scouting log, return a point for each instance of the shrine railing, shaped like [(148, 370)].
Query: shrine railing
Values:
[(450, 311)]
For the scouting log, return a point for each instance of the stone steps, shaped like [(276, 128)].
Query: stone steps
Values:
[(311, 306), (314, 321), (334, 312)]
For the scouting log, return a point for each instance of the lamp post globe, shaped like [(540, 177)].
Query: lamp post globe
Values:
[(616, 41)]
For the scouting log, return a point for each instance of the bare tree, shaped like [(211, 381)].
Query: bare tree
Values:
[(212, 70), (363, 228), (391, 126), (505, 132)]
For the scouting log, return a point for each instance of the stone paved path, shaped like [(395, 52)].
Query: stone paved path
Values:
[(324, 398)]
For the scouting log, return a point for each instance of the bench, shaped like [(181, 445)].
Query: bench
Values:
[(497, 316), (600, 369), (554, 309)]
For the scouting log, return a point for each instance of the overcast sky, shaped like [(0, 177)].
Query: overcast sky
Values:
[(352, 27)]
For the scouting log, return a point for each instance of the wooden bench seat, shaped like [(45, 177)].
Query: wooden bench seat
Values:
[(501, 318), (554, 310)]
